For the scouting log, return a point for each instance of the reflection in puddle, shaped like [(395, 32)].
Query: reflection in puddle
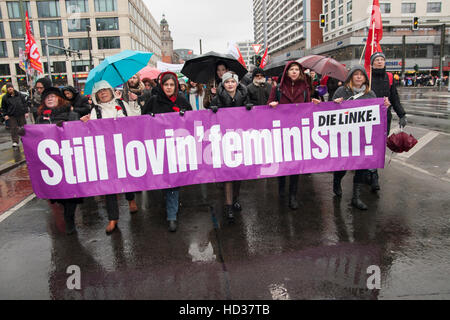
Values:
[(204, 254), (279, 292)]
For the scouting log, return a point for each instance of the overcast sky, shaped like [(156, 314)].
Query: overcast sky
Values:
[(216, 22)]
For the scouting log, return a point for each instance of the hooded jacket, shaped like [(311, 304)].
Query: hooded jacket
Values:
[(160, 102), (79, 103), (109, 109), (381, 87), (14, 106), (347, 93), (224, 100), (298, 91)]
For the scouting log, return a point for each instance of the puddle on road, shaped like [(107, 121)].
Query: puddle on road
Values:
[(15, 186)]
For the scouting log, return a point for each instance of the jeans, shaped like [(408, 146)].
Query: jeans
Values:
[(172, 196)]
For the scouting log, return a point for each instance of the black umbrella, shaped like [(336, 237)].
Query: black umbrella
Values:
[(274, 69), (201, 69)]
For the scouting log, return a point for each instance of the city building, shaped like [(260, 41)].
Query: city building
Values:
[(168, 55), (245, 47), (291, 26), (115, 25), (184, 54), (346, 30)]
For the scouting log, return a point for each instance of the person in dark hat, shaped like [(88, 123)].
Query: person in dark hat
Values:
[(15, 109), (383, 85), (36, 101), (259, 89), (80, 104)]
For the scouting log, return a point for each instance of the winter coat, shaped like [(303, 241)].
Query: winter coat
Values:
[(291, 91), (347, 93), (111, 109), (380, 85), (79, 103), (259, 94), (332, 86), (14, 106), (54, 115), (224, 100)]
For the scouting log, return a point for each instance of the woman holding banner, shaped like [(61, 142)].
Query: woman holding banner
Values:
[(231, 93), (356, 87), (168, 99), (295, 87), (105, 105)]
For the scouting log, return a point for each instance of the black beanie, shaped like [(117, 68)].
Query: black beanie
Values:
[(256, 71), (46, 83), (50, 90)]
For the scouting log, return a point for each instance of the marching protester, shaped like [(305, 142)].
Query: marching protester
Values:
[(55, 109), (15, 109), (332, 84), (183, 88), (295, 87), (168, 99), (79, 103), (106, 105), (230, 93), (259, 89), (196, 95), (36, 101), (211, 86), (383, 85), (2, 119), (356, 87), (133, 95)]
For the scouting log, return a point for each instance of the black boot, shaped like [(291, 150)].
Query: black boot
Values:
[(172, 225), (337, 189), (356, 200), (374, 181), (293, 203), (229, 212), (236, 205), (293, 187), (69, 217), (281, 187)]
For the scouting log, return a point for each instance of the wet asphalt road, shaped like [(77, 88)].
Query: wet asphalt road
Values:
[(321, 251)]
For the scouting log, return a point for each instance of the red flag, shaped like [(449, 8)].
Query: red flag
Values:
[(375, 34), (233, 49), (31, 49), (263, 60)]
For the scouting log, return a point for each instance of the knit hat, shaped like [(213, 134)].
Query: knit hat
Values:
[(228, 75), (258, 71), (53, 90), (46, 83), (376, 55), (353, 70)]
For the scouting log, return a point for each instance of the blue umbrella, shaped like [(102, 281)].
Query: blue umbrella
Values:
[(117, 69)]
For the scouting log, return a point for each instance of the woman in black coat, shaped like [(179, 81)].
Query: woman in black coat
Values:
[(79, 103), (168, 99), (230, 93)]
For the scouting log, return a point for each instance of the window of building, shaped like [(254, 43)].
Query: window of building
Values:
[(325, 10), (349, 17), (341, 21), (408, 7), (341, 10), (333, 14), (104, 24), (333, 25), (79, 43), (59, 67), (105, 5), (53, 28), (2, 31), (108, 42), (16, 45), (3, 49), (14, 9), (385, 7), (16, 29), (77, 25), (48, 9), (53, 51), (80, 66), (349, 5), (73, 6), (333, 4), (19, 70), (4, 70), (434, 7)]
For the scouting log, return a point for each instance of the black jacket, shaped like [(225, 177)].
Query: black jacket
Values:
[(346, 93), (160, 103), (55, 115), (14, 106), (224, 100), (332, 86), (80, 103), (259, 95), (380, 85)]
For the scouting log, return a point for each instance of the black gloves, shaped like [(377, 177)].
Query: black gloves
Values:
[(59, 123), (402, 122), (249, 106), (182, 112), (214, 109)]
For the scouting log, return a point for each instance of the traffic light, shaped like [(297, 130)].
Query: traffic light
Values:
[(257, 60), (415, 25), (322, 21)]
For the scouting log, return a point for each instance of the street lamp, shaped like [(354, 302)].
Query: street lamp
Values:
[(88, 29)]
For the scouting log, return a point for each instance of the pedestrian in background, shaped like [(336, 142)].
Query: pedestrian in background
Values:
[(106, 105), (295, 87), (133, 95), (211, 86), (196, 94), (259, 89), (230, 93), (79, 103), (36, 101), (15, 109), (168, 99)]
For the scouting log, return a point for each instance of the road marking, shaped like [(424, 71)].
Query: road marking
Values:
[(403, 163), (420, 144), (17, 207)]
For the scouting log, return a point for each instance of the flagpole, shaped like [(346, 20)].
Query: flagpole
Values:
[(362, 54), (371, 53)]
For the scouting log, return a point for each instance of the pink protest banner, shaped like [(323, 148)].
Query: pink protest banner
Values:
[(109, 156)]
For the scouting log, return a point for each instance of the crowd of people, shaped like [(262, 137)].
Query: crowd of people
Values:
[(169, 94)]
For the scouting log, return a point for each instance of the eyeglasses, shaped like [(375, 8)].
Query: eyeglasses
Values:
[(38, 88), (259, 76)]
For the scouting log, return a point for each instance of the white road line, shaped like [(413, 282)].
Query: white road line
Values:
[(420, 144), (403, 163), (17, 207)]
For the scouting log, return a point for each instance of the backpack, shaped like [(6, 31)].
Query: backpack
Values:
[(120, 102)]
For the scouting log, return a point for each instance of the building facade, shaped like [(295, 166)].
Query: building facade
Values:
[(245, 47), (168, 55), (347, 28), (184, 55), (115, 25)]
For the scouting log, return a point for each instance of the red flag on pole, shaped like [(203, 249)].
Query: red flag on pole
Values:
[(233, 49), (264, 60), (31, 49), (375, 34)]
